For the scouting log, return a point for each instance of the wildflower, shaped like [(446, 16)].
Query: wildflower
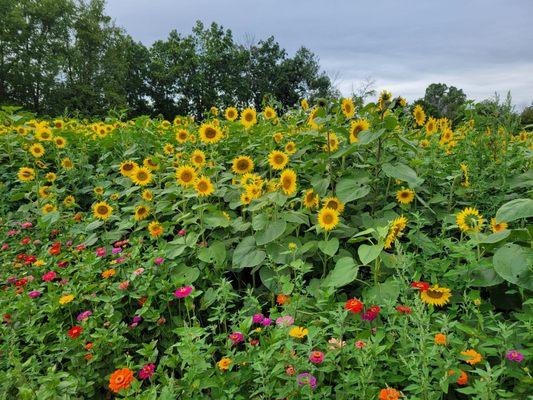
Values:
[(183, 291), (472, 356), (159, 261), (298, 332), (389, 394), (147, 371), (354, 305), (440, 339), (75, 332), (306, 379), (514, 355), (316, 357), (66, 299), (116, 250), (224, 364), (266, 322), (84, 315), (49, 276), (236, 338), (34, 294), (108, 273), (360, 344), (292, 246), (123, 285), (371, 313), (121, 379), (285, 320)]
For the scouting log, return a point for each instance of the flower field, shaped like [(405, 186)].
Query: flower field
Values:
[(335, 250)]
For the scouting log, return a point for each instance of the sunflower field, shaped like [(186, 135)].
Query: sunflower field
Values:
[(334, 250)]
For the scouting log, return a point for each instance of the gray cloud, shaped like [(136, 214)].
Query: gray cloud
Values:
[(481, 46)]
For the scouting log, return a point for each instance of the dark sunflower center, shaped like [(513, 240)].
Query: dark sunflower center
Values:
[(434, 294), (142, 176), (242, 165), (101, 210), (328, 218), (186, 176), (210, 133), (202, 186)]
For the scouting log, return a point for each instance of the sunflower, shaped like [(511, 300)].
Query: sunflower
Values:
[(397, 227), (141, 212), (60, 142), (405, 196), (58, 124), (311, 120), (254, 191), (310, 199), (431, 126), (26, 174), (348, 108), (287, 181), (50, 177), (356, 127), (419, 115), (186, 175), (497, 226), (472, 356), (210, 133), (155, 229), (231, 114), (141, 176), (98, 190), (334, 203), (67, 163), (333, 144), (242, 165), (168, 149), (304, 104), (277, 137), (198, 158), (277, 159), (37, 150), (150, 164), (269, 113), (435, 295), (446, 137), (48, 208), (182, 135), (469, 219), (43, 134), (246, 198), (44, 191), (251, 179), (290, 148), (147, 195), (128, 167), (466, 178), (248, 117), (69, 201), (328, 218), (203, 186), (102, 210)]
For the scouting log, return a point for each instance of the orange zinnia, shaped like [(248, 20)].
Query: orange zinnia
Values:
[(389, 394), (473, 357), (121, 379)]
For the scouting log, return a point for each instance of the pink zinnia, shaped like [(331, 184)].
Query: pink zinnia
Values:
[(258, 318), (515, 355), (123, 285), (34, 294), (101, 251), (182, 232), (138, 271), (5, 246), (12, 232), (147, 371), (316, 357), (286, 320), (26, 225), (49, 276), (236, 338), (360, 344), (84, 315), (159, 261), (266, 321), (183, 291)]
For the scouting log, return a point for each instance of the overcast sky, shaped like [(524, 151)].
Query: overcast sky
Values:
[(481, 46)]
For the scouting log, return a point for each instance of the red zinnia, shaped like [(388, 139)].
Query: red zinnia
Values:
[(75, 331), (354, 305), (422, 286), (403, 309)]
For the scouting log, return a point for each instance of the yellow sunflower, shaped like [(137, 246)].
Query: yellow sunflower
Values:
[(334, 203), (242, 165), (48, 208), (203, 186), (304, 104), (69, 201), (98, 190), (254, 191), (248, 117), (60, 142), (333, 143), (431, 126), (168, 149), (37, 150), (26, 174), (141, 212), (128, 167), (147, 195), (102, 210), (246, 198), (405, 196), (497, 226), (356, 127), (277, 159), (186, 175), (469, 219), (44, 191), (269, 113), (182, 135), (67, 163), (290, 148), (435, 295), (396, 229), (141, 176), (150, 164), (210, 133), (348, 108), (419, 115), (50, 177), (231, 114), (277, 137), (328, 218), (43, 134), (310, 199), (287, 181), (155, 229), (198, 158), (466, 177)]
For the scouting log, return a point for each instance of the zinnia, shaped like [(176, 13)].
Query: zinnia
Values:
[(354, 305), (147, 371), (183, 291), (75, 332), (121, 379), (306, 379), (514, 355), (316, 357), (389, 394), (236, 338)]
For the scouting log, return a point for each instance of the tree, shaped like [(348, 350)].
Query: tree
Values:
[(443, 101), (526, 117)]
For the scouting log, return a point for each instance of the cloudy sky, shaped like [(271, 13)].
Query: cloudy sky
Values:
[(481, 46)]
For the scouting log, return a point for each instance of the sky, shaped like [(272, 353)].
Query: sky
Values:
[(480, 46)]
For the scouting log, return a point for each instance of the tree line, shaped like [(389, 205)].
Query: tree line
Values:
[(68, 56)]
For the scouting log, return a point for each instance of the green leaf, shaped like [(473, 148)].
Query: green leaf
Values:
[(185, 275), (215, 220), (350, 189), (515, 209), (329, 247), (319, 184), (367, 253), (514, 264), (402, 172), (366, 137), (273, 231), (94, 225), (215, 253), (390, 122), (246, 254), (382, 293), (345, 272), (495, 237)]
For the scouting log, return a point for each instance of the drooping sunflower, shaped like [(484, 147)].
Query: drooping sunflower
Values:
[(466, 177), (210, 133), (102, 210), (127, 167), (328, 218), (277, 137), (435, 295), (48, 208), (45, 191), (278, 159), (204, 186), (155, 229), (348, 108), (431, 126), (26, 174), (311, 120), (497, 226), (50, 177), (311, 199), (356, 127), (254, 191), (231, 114), (69, 201), (333, 144), (334, 203), (469, 220), (269, 113), (242, 165), (248, 117), (288, 181), (147, 195), (304, 104), (182, 135), (419, 115), (151, 164), (198, 158), (141, 176), (37, 150), (290, 148), (141, 212), (396, 229), (405, 196), (186, 175)]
